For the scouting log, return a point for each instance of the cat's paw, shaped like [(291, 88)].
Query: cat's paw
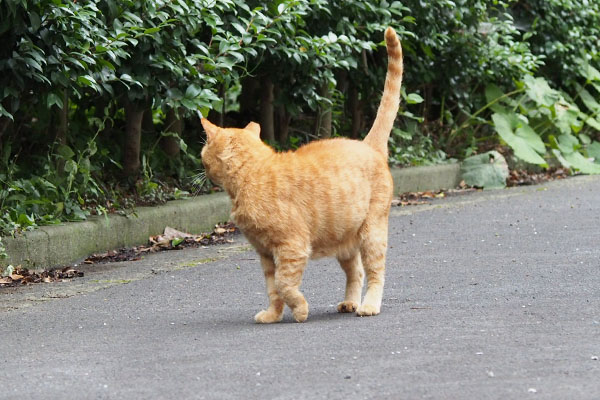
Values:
[(347, 306), (300, 313), (267, 317), (367, 310)]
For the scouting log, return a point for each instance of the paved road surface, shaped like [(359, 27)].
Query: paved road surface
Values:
[(492, 295)]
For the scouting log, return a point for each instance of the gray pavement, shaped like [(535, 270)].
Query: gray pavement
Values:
[(491, 295)]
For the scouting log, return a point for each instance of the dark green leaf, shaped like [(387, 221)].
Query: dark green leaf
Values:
[(53, 99), (525, 145), (414, 98), (150, 31), (65, 152)]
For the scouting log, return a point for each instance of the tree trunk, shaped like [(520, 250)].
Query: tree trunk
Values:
[(341, 78), (61, 129), (170, 144), (134, 115), (63, 120), (365, 64), (5, 123), (267, 123), (248, 97), (223, 95), (99, 106), (284, 119), (323, 122), (148, 122), (355, 111)]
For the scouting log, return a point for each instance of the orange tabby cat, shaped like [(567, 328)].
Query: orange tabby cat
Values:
[(328, 198)]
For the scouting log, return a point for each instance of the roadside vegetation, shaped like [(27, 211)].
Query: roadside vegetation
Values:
[(100, 100)]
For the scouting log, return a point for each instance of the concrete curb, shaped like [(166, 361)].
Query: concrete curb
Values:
[(51, 246), (418, 179)]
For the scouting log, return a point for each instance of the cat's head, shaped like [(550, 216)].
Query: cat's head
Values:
[(222, 145)]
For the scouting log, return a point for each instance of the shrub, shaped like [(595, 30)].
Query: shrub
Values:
[(100, 96)]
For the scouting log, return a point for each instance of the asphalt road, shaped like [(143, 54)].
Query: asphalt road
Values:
[(491, 295)]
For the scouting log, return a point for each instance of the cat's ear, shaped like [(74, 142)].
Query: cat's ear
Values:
[(254, 128), (210, 128)]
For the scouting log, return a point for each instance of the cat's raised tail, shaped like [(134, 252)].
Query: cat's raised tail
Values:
[(390, 100)]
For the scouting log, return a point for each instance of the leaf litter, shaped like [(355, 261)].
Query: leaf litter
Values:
[(417, 198), (22, 276), (515, 178), (521, 177), (170, 239)]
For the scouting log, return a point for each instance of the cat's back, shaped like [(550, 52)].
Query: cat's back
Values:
[(341, 157), (344, 151), (331, 170), (323, 191), (340, 173)]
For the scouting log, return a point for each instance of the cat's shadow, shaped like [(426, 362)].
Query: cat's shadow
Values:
[(321, 316)]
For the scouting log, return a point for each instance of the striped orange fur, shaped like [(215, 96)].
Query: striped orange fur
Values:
[(328, 198)]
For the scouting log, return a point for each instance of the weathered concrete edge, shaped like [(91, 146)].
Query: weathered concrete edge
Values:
[(418, 179), (64, 244), (51, 246)]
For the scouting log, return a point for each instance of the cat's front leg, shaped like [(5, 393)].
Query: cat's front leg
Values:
[(288, 277), (274, 313)]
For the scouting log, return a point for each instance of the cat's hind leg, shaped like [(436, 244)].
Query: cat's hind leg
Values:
[(288, 277), (372, 250), (354, 282), (274, 313)]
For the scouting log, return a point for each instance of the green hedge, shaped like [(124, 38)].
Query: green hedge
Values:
[(97, 93)]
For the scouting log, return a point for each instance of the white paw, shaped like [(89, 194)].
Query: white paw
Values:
[(267, 317), (300, 313), (367, 310)]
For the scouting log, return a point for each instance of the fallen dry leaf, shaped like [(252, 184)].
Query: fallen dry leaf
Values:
[(171, 233), (167, 236)]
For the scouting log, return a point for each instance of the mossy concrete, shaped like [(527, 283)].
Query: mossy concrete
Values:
[(419, 179), (57, 245)]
